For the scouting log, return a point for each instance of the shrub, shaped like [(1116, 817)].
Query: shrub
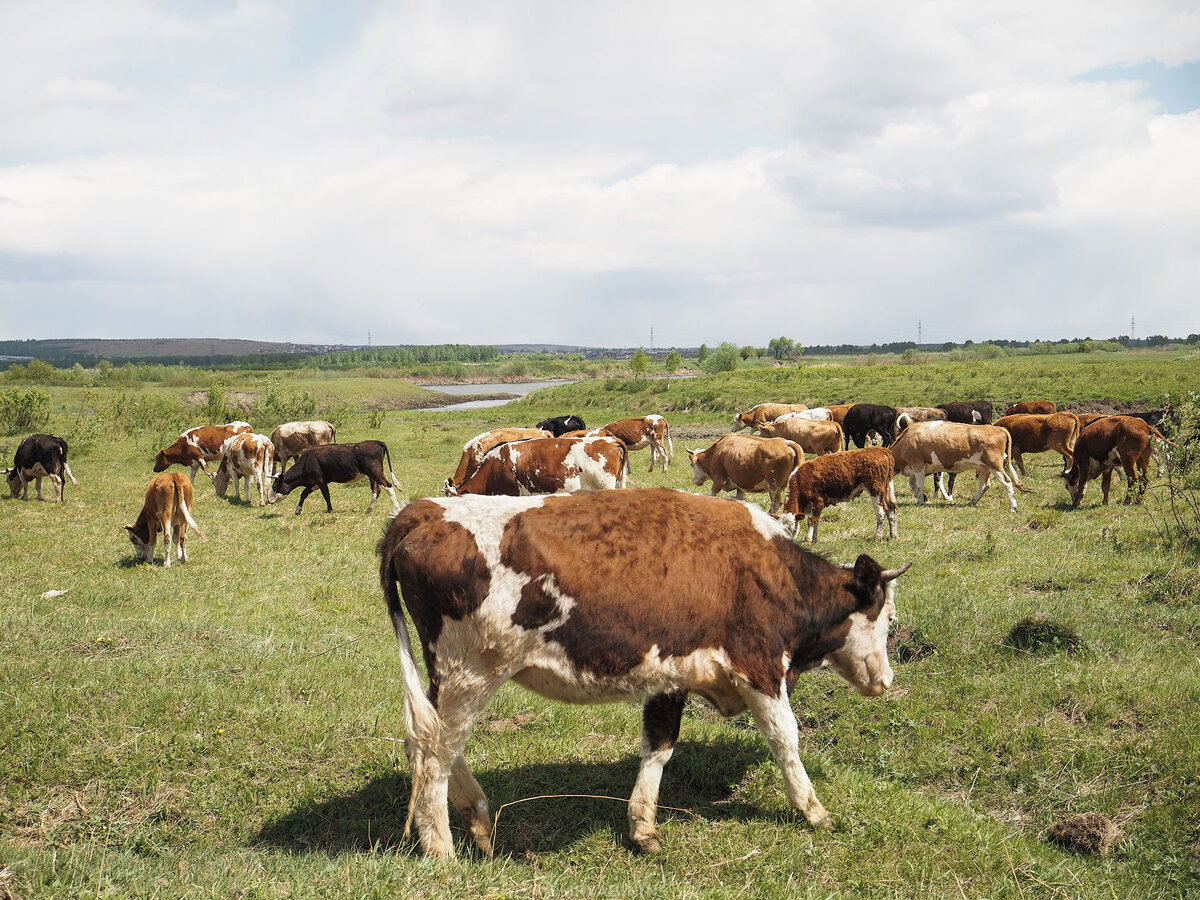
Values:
[(24, 410), (724, 359)]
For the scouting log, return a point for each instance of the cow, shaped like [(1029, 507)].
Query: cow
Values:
[(199, 446), (559, 425), (1037, 433), (166, 510), (292, 438), (816, 437), (826, 480), (1086, 419), (477, 448), (741, 462), (1031, 407), (816, 414), (547, 466), (764, 412), (339, 464), (925, 448), (865, 419), (250, 456), (39, 456), (594, 597), (837, 411), (1105, 444), (968, 412), (645, 431), (906, 415)]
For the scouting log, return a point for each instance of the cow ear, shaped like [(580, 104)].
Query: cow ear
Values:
[(128, 528), (867, 572)]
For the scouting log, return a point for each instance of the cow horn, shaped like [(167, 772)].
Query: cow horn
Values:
[(893, 574)]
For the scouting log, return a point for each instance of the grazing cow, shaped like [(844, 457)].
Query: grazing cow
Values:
[(165, 510), (968, 412), (1105, 444), (197, 447), (548, 466), (925, 448), (594, 598), (865, 419), (339, 464), (560, 425), (250, 456), (827, 480), (906, 415), (741, 462), (39, 456), (1037, 433), (764, 412), (477, 448), (645, 431), (292, 438), (1031, 407), (816, 437)]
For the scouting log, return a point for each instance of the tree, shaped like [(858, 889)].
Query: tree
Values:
[(781, 347), (749, 351), (702, 354), (638, 363), (724, 359), (674, 361)]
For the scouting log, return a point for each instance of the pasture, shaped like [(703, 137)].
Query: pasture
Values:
[(233, 727)]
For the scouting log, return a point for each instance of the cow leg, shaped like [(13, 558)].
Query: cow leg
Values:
[(917, 481), (195, 469), (182, 542), (1132, 482), (303, 495), (38, 486), (59, 484), (661, 716), (324, 488), (167, 536), (777, 723), (775, 492), (880, 516), (944, 484), (1019, 460), (1106, 483), (814, 520)]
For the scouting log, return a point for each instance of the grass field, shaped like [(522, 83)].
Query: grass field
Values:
[(232, 727)]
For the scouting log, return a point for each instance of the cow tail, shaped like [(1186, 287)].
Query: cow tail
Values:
[(391, 474), (187, 515), (422, 724), (67, 469), (797, 457), (670, 443), (1158, 434), (1012, 470), (623, 469)]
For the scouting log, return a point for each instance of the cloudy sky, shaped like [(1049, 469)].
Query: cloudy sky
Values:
[(569, 172)]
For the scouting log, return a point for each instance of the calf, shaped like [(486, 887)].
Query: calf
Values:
[(339, 464), (594, 598), (477, 448), (250, 456), (926, 448), (548, 466), (645, 431), (197, 447), (165, 510), (816, 437), (1105, 444), (1037, 433), (560, 425), (827, 480), (741, 463), (291, 439), (764, 412), (39, 456), (1031, 407), (865, 419)]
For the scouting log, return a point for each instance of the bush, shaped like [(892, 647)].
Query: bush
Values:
[(724, 359), (24, 410), (1176, 515)]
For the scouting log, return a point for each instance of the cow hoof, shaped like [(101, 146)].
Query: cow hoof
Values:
[(648, 844)]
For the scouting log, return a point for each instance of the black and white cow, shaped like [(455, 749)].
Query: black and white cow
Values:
[(39, 456), (339, 464), (560, 425)]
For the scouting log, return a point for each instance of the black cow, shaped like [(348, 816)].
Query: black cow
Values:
[(968, 412), (39, 456), (560, 425), (339, 464), (864, 418)]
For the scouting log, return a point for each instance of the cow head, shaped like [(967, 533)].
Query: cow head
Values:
[(1075, 479), (221, 479), (862, 658), (15, 482), (160, 461), (738, 423), (699, 476), (450, 489), (143, 549)]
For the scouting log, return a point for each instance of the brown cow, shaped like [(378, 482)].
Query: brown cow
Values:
[(197, 447), (548, 466), (1037, 433), (1031, 407), (739, 462), (926, 448), (477, 448), (645, 431), (594, 598), (817, 438), (292, 438), (1105, 444), (827, 480), (764, 412), (165, 510)]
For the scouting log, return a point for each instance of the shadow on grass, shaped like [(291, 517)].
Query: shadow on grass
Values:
[(699, 782)]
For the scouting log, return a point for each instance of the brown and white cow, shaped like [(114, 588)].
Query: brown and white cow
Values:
[(926, 448), (591, 598), (645, 431), (292, 438), (1105, 444), (1039, 432), (39, 456), (197, 447), (1031, 407), (166, 511), (741, 462), (827, 480), (906, 415), (477, 448), (764, 412), (547, 466), (249, 456), (816, 437)]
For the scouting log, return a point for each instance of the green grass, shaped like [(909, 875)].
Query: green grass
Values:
[(231, 727)]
